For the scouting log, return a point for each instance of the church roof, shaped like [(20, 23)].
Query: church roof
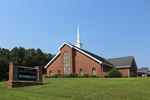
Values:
[(105, 62), (122, 62), (87, 53), (143, 70)]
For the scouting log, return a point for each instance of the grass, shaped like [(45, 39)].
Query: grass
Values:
[(81, 89)]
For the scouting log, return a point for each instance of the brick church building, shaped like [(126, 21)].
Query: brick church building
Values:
[(72, 58)]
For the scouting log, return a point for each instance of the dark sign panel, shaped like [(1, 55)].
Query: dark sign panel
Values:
[(27, 73)]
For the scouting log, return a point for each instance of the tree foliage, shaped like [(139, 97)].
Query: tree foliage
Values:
[(23, 57), (115, 73), (3, 69)]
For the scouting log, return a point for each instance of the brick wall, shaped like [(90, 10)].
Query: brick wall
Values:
[(86, 63), (77, 61), (125, 72), (57, 64)]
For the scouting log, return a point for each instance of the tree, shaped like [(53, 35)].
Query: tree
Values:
[(24, 57), (115, 73), (4, 54), (17, 55), (4, 67)]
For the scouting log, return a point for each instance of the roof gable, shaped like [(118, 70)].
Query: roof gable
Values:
[(90, 55), (143, 70), (122, 62)]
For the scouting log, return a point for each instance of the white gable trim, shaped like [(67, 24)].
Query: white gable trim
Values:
[(77, 50), (52, 60), (64, 44), (88, 55)]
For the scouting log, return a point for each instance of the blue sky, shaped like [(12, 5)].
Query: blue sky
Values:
[(108, 28)]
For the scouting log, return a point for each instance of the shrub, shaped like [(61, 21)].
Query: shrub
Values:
[(46, 76), (65, 76), (52, 76), (72, 75), (106, 76), (85, 75), (56, 76), (115, 73), (132, 74)]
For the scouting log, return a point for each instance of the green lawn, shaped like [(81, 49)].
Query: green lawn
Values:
[(81, 89)]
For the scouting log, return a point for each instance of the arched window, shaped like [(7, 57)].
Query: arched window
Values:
[(66, 63), (81, 72), (50, 73), (93, 71), (59, 72)]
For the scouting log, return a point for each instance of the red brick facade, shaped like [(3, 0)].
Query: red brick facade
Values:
[(77, 61), (80, 60), (125, 72)]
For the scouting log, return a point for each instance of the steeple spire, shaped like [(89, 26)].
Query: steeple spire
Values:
[(78, 44)]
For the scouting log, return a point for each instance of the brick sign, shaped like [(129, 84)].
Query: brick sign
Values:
[(27, 73), (20, 76)]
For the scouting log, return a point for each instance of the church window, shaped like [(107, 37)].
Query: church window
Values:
[(50, 73), (81, 72), (59, 72), (66, 63), (93, 71)]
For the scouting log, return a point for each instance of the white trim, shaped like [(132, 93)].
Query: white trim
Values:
[(52, 60), (65, 43)]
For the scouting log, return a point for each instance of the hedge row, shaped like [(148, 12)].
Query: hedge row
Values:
[(72, 75), (113, 73)]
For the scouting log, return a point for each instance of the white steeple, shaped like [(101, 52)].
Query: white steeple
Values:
[(78, 44)]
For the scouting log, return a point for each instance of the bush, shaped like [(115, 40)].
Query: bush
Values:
[(72, 75), (106, 76), (65, 76), (56, 76), (46, 76), (114, 73), (132, 74), (85, 75)]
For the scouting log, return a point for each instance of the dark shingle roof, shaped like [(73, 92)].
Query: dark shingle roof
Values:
[(122, 62), (105, 62), (143, 70)]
